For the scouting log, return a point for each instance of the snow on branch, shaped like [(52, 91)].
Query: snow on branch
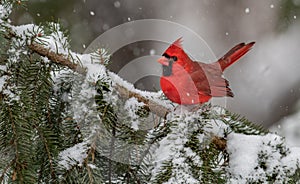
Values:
[(124, 92), (51, 48), (152, 106)]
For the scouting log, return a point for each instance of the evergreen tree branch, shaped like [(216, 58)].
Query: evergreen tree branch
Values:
[(162, 132), (63, 60), (111, 152), (91, 153), (44, 140), (16, 160)]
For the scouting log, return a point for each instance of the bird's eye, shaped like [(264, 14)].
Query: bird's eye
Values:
[(174, 58), (166, 55)]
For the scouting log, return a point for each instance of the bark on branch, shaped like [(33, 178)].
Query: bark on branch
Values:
[(56, 57)]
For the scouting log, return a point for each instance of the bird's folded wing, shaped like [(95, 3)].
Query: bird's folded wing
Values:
[(209, 81)]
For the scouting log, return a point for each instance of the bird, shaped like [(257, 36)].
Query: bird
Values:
[(188, 82)]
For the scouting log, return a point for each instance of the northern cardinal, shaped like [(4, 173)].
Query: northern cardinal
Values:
[(188, 82)]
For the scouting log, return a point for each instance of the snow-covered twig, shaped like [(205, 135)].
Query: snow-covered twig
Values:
[(63, 60), (56, 58)]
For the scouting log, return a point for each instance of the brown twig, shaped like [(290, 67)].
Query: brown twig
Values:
[(219, 142), (56, 57)]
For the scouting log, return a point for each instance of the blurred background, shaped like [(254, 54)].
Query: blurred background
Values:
[(266, 81)]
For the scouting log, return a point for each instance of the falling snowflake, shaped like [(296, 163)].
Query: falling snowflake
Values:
[(117, 4), (247, 10), (152, 52), (105, 27)]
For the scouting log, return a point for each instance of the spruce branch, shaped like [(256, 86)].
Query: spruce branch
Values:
[(66, 61), (48, 151), (63, 60)]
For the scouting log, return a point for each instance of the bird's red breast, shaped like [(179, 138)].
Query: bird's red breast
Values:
[(187, 82)]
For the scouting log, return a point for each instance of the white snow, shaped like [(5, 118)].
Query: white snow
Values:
[(132, 105), (56, 41), (155, 97), (4, 11), (94, 70), (117, 4), (175, 140), (92, 166), (152, 52), (172, 148), (8, 93), (244, 164), (243, 150), (24, 31), (251, 157), (73, 155), (292, 159), (2, 81), (247, 10)]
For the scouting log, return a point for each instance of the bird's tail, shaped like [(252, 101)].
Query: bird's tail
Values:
[(234, 54)]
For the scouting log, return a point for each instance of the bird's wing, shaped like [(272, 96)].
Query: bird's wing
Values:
[(209, 80)]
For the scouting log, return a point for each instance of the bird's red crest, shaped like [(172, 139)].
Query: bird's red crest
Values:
[(178, 43), (175, 47)]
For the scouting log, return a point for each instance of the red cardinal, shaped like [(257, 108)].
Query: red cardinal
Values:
[(187, 82)]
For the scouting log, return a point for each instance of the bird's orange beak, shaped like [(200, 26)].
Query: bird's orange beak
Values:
[(164, 61)]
